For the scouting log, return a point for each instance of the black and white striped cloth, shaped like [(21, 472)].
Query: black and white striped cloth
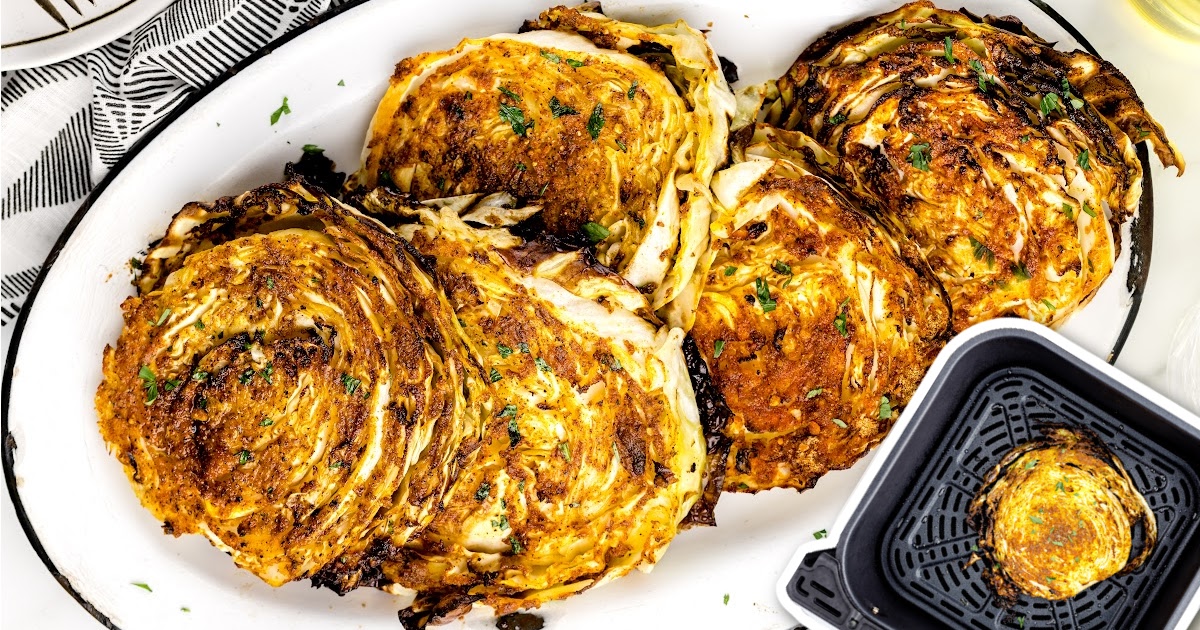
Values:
[(65, 125)]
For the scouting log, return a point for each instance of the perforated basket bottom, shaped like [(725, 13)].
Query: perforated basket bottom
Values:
[(928, 543)]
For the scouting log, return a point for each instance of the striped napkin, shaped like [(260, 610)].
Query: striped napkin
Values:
[(65, 125)]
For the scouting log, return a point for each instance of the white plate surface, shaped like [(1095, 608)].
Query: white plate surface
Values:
[(75, 495), (32, 38)]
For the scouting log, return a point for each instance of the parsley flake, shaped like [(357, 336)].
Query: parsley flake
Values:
[(918, 156), (551, 57), (350, 383), (621, 145), (726, 599), (729, 271), (266, 422), (509, 411), (516, 118), (982, 251), (312, 148), (1049, 304), (244, 457), (837, 119), (595, 232), (514, 432), (885, 408), (557, 109), (1084, 160), (143, 586), (820, 534), (510, 94), (984, 77), (574, 63), (482, 492), (718, 347), (162, 318), (504, 350), (1020, 272), (763, 293), (839, 322), (283, 109), (523, 347), (516, 544), (1069, 210), (149, 383), (841, 423), (596, 121), (782, 268), (494, 375), (1037, 520), (1088, 209), (632, 91), (1049, 103), (542, 365), (564, 449), (949, 49), (813, 393)]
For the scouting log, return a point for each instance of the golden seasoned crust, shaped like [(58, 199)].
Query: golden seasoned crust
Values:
[(1057, 515), (573, 116), (814, 326), (288, 383), (593, 453), (1010, 164)]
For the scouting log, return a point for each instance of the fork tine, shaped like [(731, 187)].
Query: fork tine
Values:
[(74, 7), (52, 12)]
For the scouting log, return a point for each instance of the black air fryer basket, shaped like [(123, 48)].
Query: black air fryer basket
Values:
[(899, 555)]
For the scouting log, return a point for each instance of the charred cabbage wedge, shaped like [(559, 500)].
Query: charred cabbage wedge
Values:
[(593, 453), (289, 383), (613, 128), (1009, 163), (815, 324)]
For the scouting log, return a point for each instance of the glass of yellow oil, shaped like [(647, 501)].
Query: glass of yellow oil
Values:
[(1178, 17)]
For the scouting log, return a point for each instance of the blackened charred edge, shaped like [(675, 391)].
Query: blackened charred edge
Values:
[(317, 171), (520, 621), (436, 608), (729, 69), (344, 575), (1141, 236), (714, 414)]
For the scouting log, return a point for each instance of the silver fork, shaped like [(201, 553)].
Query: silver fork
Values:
[(53, 12)]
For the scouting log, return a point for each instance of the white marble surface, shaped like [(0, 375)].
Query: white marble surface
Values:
[(1163, 69)]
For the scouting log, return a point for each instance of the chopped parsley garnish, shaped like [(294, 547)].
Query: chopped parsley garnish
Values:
[(984, 77), (162, 318), (514, 432), (726, 599), (596, 121), (918, 156), (839, 322), (516, 118), (1069, 210), (482, 492), (516, 544), (564, 449), (350, 383), (1088, 209), (270, 282), (283, 109), (510, 94), (149, 383), (595, 232), (982, 252), (1024, 138), (1049, 305), (1020, 272), (820, 534), (557, 109), (1037, 520), (266, 422), (504, 350), (632, 91), (171, 385), (135, 263), (521, 167), (199, 375), (542, 192), (312, 148), (949, 49), (523, 347), (813, 393), (244, 457), (551, 57), (500, 523), (495, 375), (1060, 487), (542, 365), (903, 24), (341, 83), (337, 464), (763, 293), (729, 271), (143, 586), (574, 63), (621, 145), (841, 423), (885, 408), (266, 373), (1049, 103), (246, 375), (185, 609), (1031, 464), (1084, 160), (718, 347), (837, 119), (782, 268), (509, 411), (1075, 102)]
